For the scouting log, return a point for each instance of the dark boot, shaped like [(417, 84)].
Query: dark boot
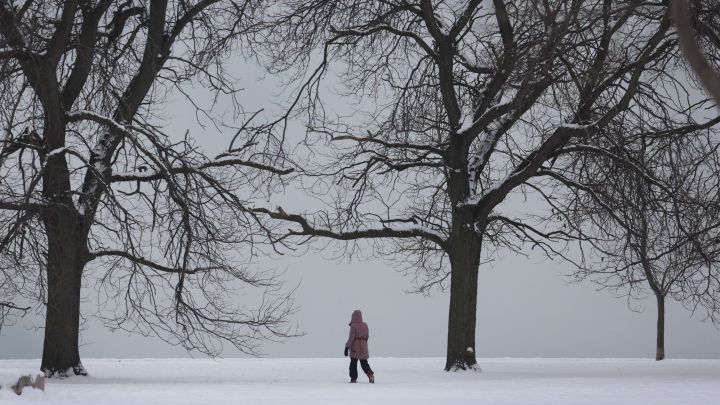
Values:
[(368, 371)]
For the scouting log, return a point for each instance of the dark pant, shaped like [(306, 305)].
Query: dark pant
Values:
[(353, 368)]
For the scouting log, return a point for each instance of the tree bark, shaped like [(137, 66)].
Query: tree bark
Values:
[(66, 260), (660, 338), (463, 247), (464, 264)]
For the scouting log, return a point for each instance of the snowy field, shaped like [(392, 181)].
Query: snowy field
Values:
[(399, 381)]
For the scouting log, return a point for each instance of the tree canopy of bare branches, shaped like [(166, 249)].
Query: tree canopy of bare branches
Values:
[(475, 100), (94, 192), (652, 209)]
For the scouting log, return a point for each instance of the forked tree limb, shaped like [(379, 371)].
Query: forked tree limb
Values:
[(10, 305)]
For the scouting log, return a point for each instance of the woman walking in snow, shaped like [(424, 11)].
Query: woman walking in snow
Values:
[(358, 347)]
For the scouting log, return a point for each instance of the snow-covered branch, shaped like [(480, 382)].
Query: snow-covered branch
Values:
[(525, 169), (151, 174), (394, 231)]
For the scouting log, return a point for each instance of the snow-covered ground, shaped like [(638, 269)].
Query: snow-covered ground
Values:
[(399, 381)]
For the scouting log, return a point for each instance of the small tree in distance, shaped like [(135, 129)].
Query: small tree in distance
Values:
[(652, 209)]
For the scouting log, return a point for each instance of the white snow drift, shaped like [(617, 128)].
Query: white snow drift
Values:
[(399, 381)]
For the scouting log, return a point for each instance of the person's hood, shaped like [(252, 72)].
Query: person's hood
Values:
[(356, 316)]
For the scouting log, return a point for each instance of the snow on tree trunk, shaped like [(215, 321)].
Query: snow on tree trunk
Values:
[(464, 261)]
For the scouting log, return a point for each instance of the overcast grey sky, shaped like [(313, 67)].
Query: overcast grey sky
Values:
[(525, 305), (525, 308)]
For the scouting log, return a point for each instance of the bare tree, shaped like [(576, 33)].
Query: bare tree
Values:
[(93, 191), (473, 99), (654, 199), (648, 196)]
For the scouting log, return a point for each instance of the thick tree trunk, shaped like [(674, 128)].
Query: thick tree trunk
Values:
[(660, 338), (464, 263), (463, 247), (66, 261)]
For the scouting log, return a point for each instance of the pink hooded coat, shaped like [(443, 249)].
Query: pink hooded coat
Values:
[(359, 335)]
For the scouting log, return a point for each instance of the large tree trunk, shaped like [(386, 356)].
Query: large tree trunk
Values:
[(66, 260), (464, 263), (463, 247), (67, 244), (660, 338)]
